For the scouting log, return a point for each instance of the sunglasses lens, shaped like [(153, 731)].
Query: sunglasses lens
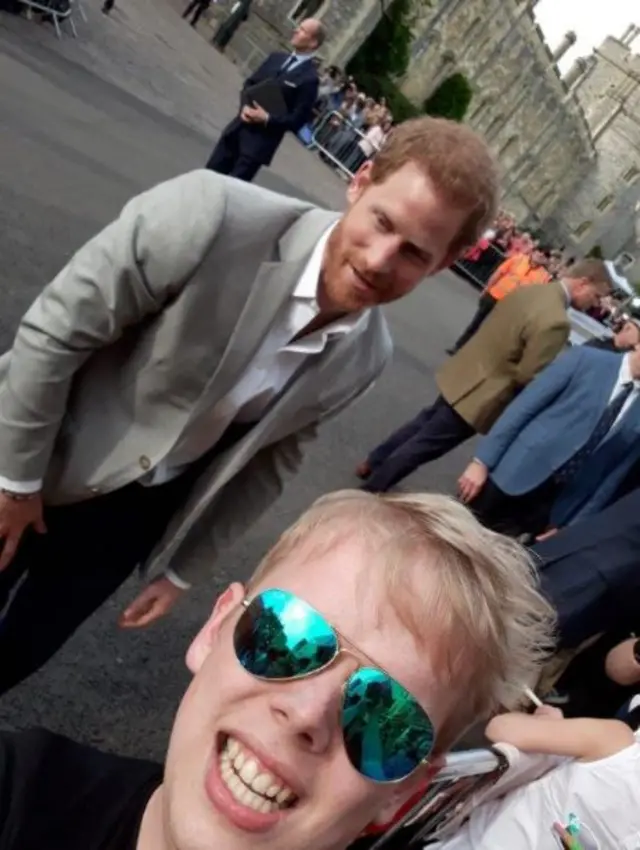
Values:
[(281, 637), (386, 732)]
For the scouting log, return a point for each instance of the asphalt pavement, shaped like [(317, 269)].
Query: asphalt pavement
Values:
[(84, 125)]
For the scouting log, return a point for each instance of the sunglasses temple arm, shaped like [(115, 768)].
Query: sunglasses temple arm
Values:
[(460, 765)]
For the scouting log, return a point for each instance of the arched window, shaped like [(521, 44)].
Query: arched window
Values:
[(474, 29), (495, 124), (606, 202), (581, 229), (509, 146), (482, 107), (305, 9)]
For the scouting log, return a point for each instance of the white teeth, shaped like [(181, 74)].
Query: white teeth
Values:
[(284, 796), (249, 783), (248, 771), (262, 783)]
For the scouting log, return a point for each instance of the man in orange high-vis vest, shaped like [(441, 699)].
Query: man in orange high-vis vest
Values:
[(519, 270)]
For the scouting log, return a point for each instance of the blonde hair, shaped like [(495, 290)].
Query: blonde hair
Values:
[(497, 628), (458, 162)]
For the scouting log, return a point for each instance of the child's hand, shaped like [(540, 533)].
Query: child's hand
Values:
[(549, 711)]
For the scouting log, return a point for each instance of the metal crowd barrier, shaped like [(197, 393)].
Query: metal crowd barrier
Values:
[(337, 141), (58, 10), (479, 271), (447, 801)]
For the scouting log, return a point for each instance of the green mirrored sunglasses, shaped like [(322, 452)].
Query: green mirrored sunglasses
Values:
[(387, 734)]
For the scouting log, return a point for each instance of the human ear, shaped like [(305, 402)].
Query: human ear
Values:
[(361, 181), (205, 639)]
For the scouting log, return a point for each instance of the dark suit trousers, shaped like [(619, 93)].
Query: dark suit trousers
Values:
[(435, 431), (228, 157), (60, 578), (195, 10), (57, 580), (485, 306)]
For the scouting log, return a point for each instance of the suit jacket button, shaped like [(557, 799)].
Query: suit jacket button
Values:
[(145, 463)]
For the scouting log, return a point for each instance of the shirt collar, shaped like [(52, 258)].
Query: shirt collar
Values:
[(300, 57), (567, 294), (624, 376), (307, 286)]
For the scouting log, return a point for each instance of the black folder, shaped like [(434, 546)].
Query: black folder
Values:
[(267, 94)]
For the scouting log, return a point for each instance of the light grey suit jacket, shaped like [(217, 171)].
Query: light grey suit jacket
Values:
[(169, 301)]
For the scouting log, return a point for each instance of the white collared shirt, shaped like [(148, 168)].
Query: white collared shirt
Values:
[(294, 59), (624, 377), (275, 363), (567, 294)]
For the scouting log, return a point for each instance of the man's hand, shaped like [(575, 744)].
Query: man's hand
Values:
[(254, 114), (472, 481), (156, 600), (16, 515)]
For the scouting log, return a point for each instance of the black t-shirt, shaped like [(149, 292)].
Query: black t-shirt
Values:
[(59, 795)]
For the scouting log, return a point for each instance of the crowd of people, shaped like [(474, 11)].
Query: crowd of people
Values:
[(348, 127), (158, 396), (505, 240)]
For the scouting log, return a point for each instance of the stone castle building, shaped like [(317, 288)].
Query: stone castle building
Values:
[(568, 145), (605, 209)]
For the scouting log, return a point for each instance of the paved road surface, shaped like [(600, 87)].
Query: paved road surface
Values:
[(74, 145)]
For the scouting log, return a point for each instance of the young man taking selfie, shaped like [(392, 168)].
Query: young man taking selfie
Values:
[(368, 640)]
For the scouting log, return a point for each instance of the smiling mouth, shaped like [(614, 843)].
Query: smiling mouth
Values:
[(363, 280), (250, 782)]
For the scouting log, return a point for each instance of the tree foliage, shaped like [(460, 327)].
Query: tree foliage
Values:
[(387, 51), (384, 57), (451, 99)]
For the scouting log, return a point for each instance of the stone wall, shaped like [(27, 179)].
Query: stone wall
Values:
[(604, 208), (520, 104)]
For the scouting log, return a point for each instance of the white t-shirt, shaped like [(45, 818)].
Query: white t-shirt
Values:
[(603, 795)]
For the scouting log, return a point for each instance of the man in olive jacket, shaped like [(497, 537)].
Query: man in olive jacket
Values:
[(524, 333)]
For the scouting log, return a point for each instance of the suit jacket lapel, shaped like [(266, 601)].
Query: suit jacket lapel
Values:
[(271, 289)]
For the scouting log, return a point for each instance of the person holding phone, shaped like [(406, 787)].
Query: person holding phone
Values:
[(323, 693)]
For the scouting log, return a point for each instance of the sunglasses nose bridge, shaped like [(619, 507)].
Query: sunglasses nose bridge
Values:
[(344, 650)]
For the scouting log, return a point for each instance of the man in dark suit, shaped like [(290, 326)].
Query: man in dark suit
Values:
[(562, 449), (253, 136), (590, 571)]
